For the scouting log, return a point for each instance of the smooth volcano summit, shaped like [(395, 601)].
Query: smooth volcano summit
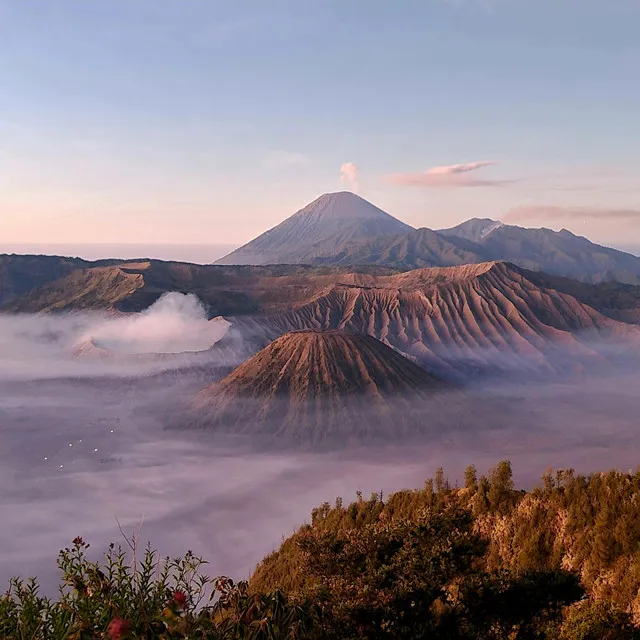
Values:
[(320, 229), (321, 387)]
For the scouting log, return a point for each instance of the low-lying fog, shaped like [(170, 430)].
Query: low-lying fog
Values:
[(80, 447)]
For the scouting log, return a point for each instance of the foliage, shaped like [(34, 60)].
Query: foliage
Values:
[(170, 598), (484, 561), (588, 525), (596, 621), (421, 578)]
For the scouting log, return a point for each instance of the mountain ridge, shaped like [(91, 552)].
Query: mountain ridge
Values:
[(560, 253)]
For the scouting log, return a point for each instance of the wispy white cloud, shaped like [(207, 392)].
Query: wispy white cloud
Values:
[(555, 213), (349, 174), (454, 169), (453, 175)]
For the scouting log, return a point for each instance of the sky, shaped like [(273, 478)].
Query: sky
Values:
[(134, 122)]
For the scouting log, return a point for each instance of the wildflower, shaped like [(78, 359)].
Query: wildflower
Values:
[(118, 629), (78, 541), (180, 598)]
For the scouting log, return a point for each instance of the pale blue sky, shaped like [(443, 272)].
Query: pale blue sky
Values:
[(205, 121)]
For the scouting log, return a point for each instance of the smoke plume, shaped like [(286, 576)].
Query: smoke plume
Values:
[(349, 174)]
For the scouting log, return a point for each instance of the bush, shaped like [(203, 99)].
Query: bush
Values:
[(150, 598)]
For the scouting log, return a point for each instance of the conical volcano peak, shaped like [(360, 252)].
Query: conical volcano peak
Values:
[(313, 362), (326, 386), (343, 206), (320, 229)]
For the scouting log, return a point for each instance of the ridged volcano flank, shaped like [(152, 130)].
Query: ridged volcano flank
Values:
[(306, 364), (315, 386)]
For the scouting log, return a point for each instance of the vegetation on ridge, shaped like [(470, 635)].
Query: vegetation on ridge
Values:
[(480, 561)]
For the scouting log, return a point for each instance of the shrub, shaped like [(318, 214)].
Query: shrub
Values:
[(125, 598)]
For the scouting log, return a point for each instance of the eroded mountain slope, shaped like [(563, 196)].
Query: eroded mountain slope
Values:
[(457, 321)]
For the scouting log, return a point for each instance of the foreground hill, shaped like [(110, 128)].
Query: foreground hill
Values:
[(320, 229), (316, 387), (482, 562), (583, 525)]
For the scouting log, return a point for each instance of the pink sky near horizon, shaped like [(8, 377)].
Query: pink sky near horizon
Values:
[(211, 122), (437, 197)]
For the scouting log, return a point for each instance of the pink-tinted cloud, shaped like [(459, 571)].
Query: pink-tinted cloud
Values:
[(447, 176), (454, 169), (553, 213)]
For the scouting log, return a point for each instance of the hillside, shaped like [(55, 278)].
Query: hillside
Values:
[(98, 288), (572, 529), (414, 250), (319, 229), (328, 387), (484, 561), (614, 299)]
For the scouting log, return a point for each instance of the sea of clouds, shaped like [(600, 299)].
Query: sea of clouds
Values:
[(84, 449)]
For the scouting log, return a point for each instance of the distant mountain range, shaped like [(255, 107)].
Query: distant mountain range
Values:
[(343, 229)]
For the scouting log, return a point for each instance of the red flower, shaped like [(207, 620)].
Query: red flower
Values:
[(180, 598), (78, 541), (118, 629)]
